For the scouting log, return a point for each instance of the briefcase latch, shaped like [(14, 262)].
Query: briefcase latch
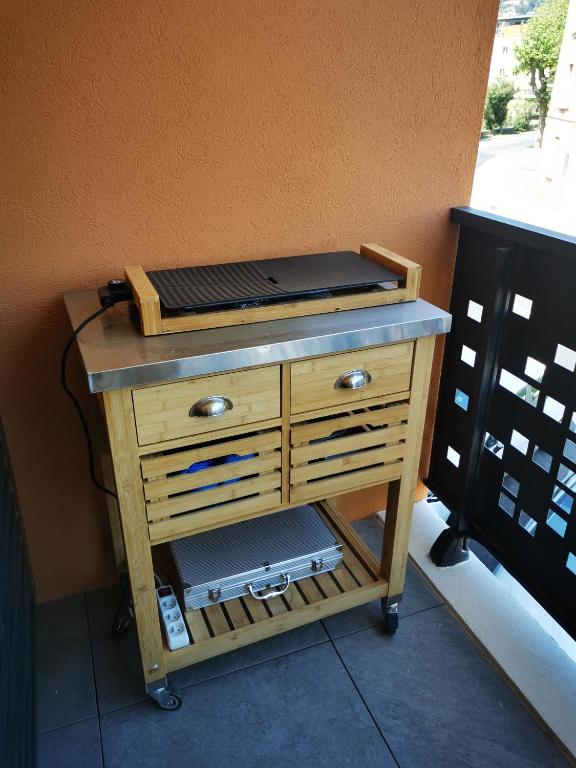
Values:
[(317, 564), (215, 594)]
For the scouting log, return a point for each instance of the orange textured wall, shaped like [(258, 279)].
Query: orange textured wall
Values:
[(182, 133)]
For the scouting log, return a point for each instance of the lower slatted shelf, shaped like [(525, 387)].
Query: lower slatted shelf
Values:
[(225, 626)]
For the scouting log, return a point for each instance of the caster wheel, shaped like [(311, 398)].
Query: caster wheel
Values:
[(391, 623), (390, 614), (169, 702)]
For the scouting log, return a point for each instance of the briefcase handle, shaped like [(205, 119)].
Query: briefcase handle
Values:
[(270, 595)]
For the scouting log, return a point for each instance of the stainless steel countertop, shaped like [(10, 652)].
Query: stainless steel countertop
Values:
[(116, 355)]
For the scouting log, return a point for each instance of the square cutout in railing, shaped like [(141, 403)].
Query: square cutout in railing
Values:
[(522, 306), (453, 456), (562, 498), (510, 484), (518, 387), (535, 369), (493, 445), (558, 524), (519, 441), (507, 504), (468, 356), (527, 522), (475, 311), (565, 357), (461, 399), (542, 458), (554, 409)]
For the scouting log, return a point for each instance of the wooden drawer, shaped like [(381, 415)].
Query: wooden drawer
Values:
[(361, 447), (220, 480), (321, 382), (166, 411)]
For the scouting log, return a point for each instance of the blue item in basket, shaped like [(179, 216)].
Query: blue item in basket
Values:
[(232, 459), (198, 466)]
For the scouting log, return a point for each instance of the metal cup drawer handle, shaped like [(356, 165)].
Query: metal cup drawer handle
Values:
[(270, 595), (215, 405), (355, 379)]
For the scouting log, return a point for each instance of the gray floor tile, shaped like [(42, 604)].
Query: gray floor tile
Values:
[(65, 682), (439, 702), (117, 668), (119, 681), (300, 709), (271, 648), (417, 595), (75, 746)]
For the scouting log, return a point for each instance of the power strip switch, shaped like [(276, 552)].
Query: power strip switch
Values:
[(174, 625)]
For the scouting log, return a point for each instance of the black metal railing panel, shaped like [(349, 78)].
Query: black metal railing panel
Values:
[(17, 630), (504, 452)]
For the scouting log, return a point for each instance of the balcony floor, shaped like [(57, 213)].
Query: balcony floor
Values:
[(334, 693)]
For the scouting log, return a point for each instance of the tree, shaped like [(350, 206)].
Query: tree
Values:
[(537, 54), (500, 93)]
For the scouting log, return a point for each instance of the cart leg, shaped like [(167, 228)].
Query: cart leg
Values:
[(401, 492), (390, 614), (163, 695), (124, 446)]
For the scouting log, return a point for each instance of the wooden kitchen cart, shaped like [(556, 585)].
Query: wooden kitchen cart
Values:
[(321, 405)]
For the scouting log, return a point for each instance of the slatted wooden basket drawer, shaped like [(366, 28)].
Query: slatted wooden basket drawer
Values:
[(350, 377), (189, 489), (196, 406), (360, 447)]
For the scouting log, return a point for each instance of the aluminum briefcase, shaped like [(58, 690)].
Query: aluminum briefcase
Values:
[(257, 558)]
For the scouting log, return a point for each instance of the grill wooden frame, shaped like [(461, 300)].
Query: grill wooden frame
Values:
[(152, 323)]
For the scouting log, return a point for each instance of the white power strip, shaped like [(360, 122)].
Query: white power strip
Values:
[(174, 625)]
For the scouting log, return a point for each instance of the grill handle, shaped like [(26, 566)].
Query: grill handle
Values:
[(214, 405), (356, 379), (270, 595)]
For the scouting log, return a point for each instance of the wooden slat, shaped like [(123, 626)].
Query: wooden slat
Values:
[(303, 433), (154, 489), (235, 511), (310, 591), (238, 615), (344, 578), (201, 499), (155, 466), (273, 625), (312, 381), (256, 609), (345, 534), (197, 626), (335, 410), (217, 619), (294, 598), (220, 434), (284, 310), (410, 270), (326, 584), (346, 463), (276, 606), (146, 299), (319, 489), (345, 444), (356, 567)]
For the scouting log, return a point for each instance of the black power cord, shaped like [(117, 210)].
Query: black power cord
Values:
[(114, 292)]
